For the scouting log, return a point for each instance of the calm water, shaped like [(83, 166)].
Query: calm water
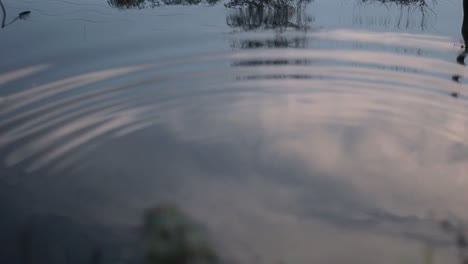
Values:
[(334, 132)]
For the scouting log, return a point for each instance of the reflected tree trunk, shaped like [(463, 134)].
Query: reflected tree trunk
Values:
[(464, 31), (465, 22), (4, 14), (461, 57), (22, 16)]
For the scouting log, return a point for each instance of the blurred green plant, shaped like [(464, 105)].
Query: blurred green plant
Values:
[(457, 230), (171, 237)]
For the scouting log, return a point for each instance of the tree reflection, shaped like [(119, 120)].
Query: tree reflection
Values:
[(124, 4), (21, 16), (406, 16), (464, 32), (277, 4), (461, 57), (259, 4), (277, 42), (250, 18), (292, 17), (139, 4), (400, 2)]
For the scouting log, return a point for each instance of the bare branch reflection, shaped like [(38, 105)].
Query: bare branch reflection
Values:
[(276, 42), (140, 4), (259, 4), (292, 17), (464, 32), (248, 19), (21, 16), (406, 18), (462, 55)]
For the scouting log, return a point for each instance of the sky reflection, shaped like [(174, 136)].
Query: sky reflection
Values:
[(291, 133)]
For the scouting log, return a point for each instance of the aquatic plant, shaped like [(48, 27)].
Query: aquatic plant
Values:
[(460, 238), (171, 237)]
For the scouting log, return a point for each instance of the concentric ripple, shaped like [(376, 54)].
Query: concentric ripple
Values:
[(295, 131), (51, 121)]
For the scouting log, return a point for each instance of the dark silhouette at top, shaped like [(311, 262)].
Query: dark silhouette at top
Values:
[(21, 16), (3, 13), (127, 4), (461, 57), (464, 31), (139, 4), (277, 4)]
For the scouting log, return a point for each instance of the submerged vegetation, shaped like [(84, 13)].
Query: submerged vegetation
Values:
[(460, 239), (166, 235), (171, 237)]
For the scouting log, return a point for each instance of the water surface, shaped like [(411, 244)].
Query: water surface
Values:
[(330, 132)]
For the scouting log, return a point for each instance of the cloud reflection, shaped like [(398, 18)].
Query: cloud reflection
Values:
[(21, 73), (278, 150)]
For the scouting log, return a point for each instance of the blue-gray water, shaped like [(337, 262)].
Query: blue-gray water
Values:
[(334, 132)]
